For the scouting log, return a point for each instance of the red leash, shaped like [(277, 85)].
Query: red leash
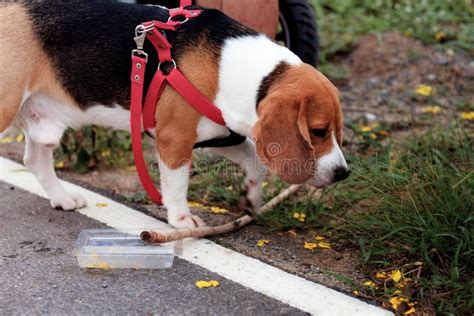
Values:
[(142, 116)]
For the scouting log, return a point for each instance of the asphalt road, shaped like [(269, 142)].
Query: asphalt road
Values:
[(39, 275)]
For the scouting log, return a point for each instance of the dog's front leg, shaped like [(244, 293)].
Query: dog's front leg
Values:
[(39, 160), (174, 187)]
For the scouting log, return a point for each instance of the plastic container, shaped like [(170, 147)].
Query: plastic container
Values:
[(114, 249)]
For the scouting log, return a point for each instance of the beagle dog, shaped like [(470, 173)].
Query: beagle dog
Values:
[(66, 64)]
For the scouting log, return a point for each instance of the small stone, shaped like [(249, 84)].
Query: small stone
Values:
[(104, 285), (431, 77), (55, 286)]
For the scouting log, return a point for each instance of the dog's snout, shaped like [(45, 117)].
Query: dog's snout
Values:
[(340, 174)]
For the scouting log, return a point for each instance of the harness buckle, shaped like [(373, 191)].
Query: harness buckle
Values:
[(140, 34), (139, 52)]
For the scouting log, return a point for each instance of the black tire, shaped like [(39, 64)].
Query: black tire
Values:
[(298, 29)]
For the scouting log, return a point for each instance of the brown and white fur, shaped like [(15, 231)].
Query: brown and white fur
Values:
[(288, 110)]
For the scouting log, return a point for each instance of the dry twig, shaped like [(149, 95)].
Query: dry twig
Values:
[(162, 237)]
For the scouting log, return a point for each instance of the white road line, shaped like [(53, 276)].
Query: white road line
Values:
[(254, 274)]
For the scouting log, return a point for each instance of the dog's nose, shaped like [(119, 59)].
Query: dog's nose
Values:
[(340, 174)]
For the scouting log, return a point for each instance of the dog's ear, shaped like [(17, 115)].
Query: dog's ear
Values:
[(282, 137)]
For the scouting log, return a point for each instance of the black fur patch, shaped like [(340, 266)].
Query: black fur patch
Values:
[(270, 79), (90, 43)]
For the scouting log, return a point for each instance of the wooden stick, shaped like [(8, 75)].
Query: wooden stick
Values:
[(162, 237)]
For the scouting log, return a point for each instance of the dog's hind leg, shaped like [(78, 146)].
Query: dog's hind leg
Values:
[(245, 155), (39, 160)]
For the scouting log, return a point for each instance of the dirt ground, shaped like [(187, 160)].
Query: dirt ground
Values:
[(384, 71)]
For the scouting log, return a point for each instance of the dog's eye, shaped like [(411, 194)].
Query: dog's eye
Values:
[(319, 132)]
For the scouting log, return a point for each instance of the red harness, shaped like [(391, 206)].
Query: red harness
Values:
[(142, 116)]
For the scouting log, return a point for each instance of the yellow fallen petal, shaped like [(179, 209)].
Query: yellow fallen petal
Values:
[(324, 245), (410, 311), (195, 204), (381, 275), (424, 90), (59, 165), (373, 136), (317, 237), (214, 283), (101, 205), (218, 210), (6, 140), (396, 276), (395, 301), (296, 215), (302, 218), (365, 129), (202, 284), (369, 284), (468, 116), (229, 187), (310, 245), (105, 154), (262, 242), (432, 109), (264, 184), (20, 138), (439, 36)]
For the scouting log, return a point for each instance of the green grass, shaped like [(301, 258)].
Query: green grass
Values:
[(442, 22), (414, 203)]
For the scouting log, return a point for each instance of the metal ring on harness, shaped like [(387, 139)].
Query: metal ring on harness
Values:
[(168, 70)]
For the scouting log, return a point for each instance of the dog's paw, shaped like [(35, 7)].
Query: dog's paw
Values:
[(187, 221), (68, 202), (252, 200)]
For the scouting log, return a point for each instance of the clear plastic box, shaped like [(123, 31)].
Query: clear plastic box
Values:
[(114, 249)]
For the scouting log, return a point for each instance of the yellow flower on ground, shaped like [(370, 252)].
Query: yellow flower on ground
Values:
[(319, 238), (101, 205), (324, 245), (396, 301), (301, 217), (410, 311), (205, 284), (262, 242), (365, 128), (6, 140), (432, 109), (20, 138), (195, 204), (369, 284), (381, 275), (218, 210), (105, 154), (310, 245), (396, 276), (468, 116), (373, 136), (59, 165), (424, 90), (439, 36)]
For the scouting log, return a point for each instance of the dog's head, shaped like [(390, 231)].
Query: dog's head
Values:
[(299, 128)]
